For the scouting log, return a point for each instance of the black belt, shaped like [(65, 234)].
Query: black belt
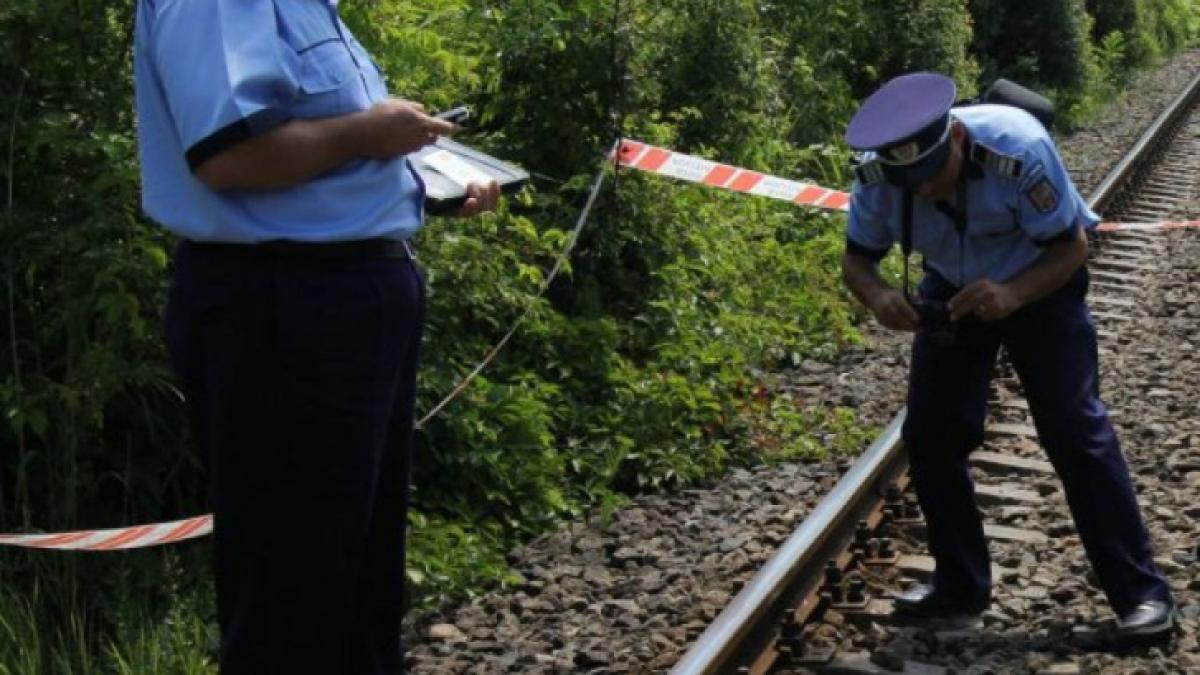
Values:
[(359, 249)]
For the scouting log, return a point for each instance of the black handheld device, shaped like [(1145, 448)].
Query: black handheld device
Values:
[(446, 168), (935, 319), (458, 115)]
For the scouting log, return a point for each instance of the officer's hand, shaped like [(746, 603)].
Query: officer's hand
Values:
[(480, 198), (398, 127), (986, 299), (893, 310)]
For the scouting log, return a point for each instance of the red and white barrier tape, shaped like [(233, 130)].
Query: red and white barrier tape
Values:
[(139, 536), (653, 159), (1148, 227), (696, 170), (629, 153)]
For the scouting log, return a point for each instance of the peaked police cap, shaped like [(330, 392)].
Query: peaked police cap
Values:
[(906, 123)]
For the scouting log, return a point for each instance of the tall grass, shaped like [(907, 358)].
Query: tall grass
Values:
[(20, 640), (156, 620)]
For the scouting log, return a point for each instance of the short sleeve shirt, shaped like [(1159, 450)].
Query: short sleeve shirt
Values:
[(213, 73), (1017, 202)]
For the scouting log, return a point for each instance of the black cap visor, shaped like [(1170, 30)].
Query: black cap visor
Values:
[(912, 176)]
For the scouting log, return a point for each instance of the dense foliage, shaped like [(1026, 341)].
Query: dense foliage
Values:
[(646, 366), (1033, 41), (1150, 27)]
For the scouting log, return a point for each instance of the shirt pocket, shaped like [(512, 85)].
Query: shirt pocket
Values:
[(997, 224), (998, 231), (326, 81)]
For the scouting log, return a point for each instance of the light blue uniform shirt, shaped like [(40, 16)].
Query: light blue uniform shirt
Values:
[(212, 73), (1020, 198)]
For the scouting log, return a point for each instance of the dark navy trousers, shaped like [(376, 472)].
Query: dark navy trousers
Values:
[(1052, 345), (300, 374)]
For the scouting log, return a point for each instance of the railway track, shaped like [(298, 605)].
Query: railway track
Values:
[(826, 586)]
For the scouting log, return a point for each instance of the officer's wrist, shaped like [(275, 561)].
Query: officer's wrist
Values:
[(880, 297), (357, 133), (1019, 293)]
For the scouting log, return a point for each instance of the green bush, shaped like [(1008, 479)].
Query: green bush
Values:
[(551, 79), (920, 35), (726, 94), (1151, 29), (821, 48), (1040, 43), (1166, 27), (1113, 16)]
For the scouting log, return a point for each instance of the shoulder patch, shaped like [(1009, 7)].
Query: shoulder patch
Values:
[(869, 172), (1043, 195), (1007, 166)]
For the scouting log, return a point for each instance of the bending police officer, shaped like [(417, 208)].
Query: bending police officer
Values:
[(981, 192)]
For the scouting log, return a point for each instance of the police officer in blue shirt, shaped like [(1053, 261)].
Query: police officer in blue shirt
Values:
[(270, 145), (981, 192)]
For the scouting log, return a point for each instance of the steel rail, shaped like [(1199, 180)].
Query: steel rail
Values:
[(747, 623), (795, 568), (1161, 132)]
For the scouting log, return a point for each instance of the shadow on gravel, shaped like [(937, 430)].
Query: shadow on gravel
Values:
[(975, 643), (1105, 640)]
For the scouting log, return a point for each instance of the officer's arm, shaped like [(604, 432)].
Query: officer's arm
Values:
[(1049, 215), (861, 275), (285, 156), (301, 150), (1052, 269), (888, 304)]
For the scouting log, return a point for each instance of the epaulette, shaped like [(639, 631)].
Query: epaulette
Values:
[(1007, 166), (869, 172)]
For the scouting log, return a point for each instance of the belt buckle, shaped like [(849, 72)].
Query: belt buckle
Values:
[(408, 249)]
